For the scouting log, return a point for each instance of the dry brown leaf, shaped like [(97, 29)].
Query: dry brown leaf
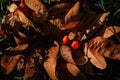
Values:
[(39, 8), (66, 54), (95, 58), (59, 10), (68, 71), (105, 47), (20, 47), (50, 63), (12, 7), (73, 12), (56, 22), (111, 30), (9, 62), (24, 19), (73, 56)]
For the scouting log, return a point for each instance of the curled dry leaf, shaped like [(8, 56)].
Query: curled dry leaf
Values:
[(111, 30), (95, 58), (105, 47), (9, 62), (24, 19), (20, 47), (66, 54), (68, 71), (39, 8), (50, 63), (74, 57), (59, 9), (73, 12), (12, 7)]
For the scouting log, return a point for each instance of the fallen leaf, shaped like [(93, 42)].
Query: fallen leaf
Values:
[(68, 71), (66, 54), (73, 12), (95, 58), (59, 9), (39, 8), (12, 7), (20, 47), (111, 30), (9, 62), (73, 56), (50, 63), (24, 19), (105, 47)]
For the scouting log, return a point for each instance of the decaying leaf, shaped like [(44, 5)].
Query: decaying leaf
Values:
[(57, 22), (74, 11), (95, 58), (105, 47), (20, 47), (59, 9), (9, 62), (39, 8), (111, 30), (30, 70), (74, 57), (66, 54), (24, 19), (68, 71), (50, 63), (12, 7)]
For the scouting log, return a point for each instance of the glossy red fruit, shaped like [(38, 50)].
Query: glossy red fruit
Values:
[(75, 44), (65, 39)]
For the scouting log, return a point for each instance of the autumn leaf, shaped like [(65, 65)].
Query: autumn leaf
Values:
[(95, 58), (68, 71), (66, 54), (73, 12), (20, 47), (9, 62), (105, 47), (12, 7), (50, 63), (111, 30), (39, 8), (24, 19), (73, 56)]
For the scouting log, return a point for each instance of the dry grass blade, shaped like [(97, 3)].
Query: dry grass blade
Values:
[(9, 62), (73, 12), (50, 63), (95, 58)]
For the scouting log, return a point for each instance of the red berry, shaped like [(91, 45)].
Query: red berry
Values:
[(75, 44), (16, 14), (65, 39)]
